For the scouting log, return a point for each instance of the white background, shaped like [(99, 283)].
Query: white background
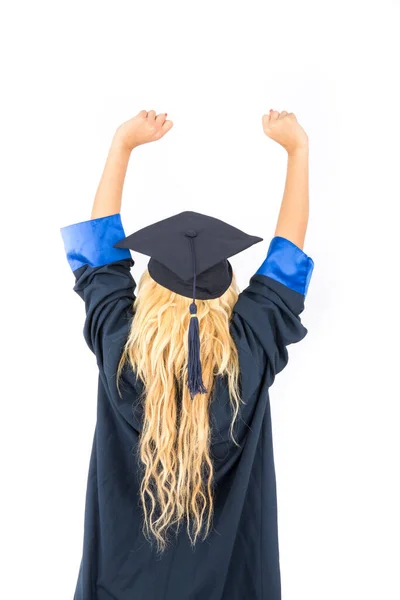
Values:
[(71, 72)]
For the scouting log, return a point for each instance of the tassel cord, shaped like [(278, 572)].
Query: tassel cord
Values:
[(195, 380)]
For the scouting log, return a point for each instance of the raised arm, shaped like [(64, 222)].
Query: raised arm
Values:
[(103, 276), (145, 127), (284, 128), (267, 314)]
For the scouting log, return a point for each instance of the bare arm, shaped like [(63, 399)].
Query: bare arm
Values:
[(144, 127), (109, 192), (293, 215)]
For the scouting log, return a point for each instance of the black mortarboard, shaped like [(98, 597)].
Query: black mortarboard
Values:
[(189, 255)]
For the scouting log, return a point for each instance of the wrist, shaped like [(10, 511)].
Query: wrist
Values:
[(298, 151), (120, 144)]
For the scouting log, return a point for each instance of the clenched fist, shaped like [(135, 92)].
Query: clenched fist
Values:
[(283, 127), (143, 128)]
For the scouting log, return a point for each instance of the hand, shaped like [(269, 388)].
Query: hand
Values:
[(283, 127), (143, 128)]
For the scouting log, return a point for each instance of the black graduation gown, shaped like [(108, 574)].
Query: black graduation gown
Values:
[(240, 558)]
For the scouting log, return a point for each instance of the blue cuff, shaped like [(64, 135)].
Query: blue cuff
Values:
[(91, 242), (287, 264)]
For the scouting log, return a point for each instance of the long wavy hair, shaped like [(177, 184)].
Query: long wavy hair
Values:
[(174, 445)]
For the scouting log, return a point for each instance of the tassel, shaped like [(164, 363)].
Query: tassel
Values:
[(195, 378)]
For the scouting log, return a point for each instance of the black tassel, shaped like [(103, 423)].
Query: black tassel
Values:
[(195, 377)]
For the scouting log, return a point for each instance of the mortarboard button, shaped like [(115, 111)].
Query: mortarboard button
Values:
[(191, 233)]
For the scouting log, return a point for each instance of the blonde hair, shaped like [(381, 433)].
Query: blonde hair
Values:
[(174, 445)]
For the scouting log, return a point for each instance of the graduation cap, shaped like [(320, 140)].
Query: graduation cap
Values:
[(189, 255)]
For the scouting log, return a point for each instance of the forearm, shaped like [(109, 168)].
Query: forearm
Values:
[(109, 192), (293, 214)]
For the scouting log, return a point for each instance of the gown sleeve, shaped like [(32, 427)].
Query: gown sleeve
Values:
[(266, 315), (102, 278)]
